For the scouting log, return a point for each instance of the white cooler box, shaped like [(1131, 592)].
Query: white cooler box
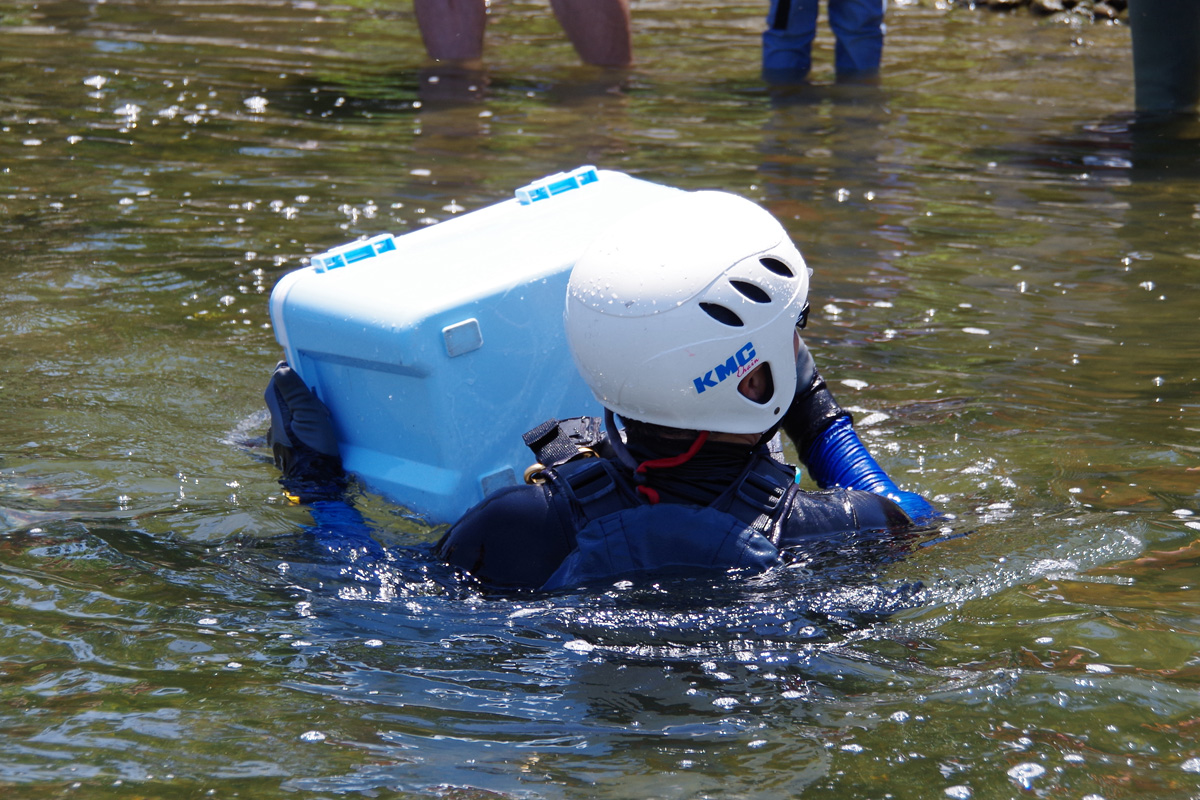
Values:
[(436, 350)]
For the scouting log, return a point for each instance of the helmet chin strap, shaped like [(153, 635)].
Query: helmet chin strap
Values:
[(626, 458), (770, 433), (618, 444)]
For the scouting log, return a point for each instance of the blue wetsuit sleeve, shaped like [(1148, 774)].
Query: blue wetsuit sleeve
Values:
[(338, 526), (839, 458), (831, 450), (513, 539)]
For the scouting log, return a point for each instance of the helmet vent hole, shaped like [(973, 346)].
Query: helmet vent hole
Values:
[(752, 291), (777, 266), (758, 386), (722, 315)]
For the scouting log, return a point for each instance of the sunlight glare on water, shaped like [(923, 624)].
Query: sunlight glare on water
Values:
[(1004, 260)]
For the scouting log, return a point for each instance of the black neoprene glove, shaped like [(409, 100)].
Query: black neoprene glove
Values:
[(302, 439)]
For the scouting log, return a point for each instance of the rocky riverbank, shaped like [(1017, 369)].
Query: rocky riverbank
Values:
[(1096, 10)]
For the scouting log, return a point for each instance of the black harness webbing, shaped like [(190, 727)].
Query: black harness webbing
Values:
[(596, 487), (556, 442)]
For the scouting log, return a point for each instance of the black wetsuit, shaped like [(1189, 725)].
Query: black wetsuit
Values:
[(728, 506)]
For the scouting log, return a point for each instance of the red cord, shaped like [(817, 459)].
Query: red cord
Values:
[(649, 494), (666, 463)]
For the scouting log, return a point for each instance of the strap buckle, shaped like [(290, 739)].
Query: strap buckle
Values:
[(535, 472)]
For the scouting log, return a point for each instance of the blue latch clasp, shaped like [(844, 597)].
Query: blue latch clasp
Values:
[(557, 184), (354, 252)]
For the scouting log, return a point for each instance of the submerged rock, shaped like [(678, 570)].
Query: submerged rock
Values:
[(1105, 10), (1047, 7)]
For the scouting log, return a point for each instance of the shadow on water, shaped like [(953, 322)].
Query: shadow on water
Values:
[(672, 683), (1141, 147), (460, 680), (367, 95)]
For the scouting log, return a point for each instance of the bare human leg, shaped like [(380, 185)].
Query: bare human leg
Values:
[(452, 29), (599, 30)]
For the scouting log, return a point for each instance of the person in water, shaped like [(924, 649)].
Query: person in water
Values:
[(453, 30), (684, 321), (787, 42)]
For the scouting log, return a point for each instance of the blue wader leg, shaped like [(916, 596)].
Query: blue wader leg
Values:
[(787, 42), (858, 27)]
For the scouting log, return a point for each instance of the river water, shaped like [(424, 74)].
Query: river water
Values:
[(1003, 294)]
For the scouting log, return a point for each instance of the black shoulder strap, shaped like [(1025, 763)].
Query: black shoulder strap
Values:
[(761, 496), (595, 487)]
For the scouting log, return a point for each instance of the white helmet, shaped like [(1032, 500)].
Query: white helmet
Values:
[(670, 309)]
